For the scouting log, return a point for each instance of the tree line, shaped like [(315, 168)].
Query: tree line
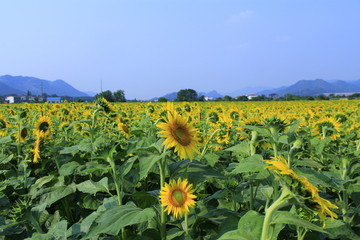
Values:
[(190, 95)]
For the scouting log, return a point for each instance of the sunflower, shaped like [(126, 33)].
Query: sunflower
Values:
[(4, 124), (179, 134), (36, 150), (327, 127), (43, 126), (21, 136), (124, 129), (280, 166), (177, 197)]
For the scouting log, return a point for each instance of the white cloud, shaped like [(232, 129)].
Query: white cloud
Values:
[(242, 16)]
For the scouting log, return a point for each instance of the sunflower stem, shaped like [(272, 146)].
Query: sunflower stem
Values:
[(186, 224), (207, 142), (254, 136), (162, 208), (280, 202)]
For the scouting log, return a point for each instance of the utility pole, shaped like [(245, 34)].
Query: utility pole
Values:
[(101, 86)]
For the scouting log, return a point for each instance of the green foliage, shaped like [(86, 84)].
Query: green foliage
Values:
[(94, 182), (187, 95), (117, 96)]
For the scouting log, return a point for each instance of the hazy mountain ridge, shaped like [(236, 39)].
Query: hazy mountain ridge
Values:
[(21, 84), (315, 87)]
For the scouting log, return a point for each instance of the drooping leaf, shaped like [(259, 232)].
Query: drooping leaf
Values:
[(113, 219), (285, 217), (92, 187), (250, 164), (57, 193)]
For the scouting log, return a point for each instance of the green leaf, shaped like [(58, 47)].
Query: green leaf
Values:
[(82, 228), (6, 139), (250, 225), (58, 231), (92, 187), (319, 144), (286, 217), (260, 130), (126, 167), (70, 150), (117, 217), (5, 159), (194, 171), (146, 163), (284, 139), (144, 199), (250, 228), (315, 177), (89, 202), (34, 216), (233, 235), (242, 147), (253, 163), (212, 158), (57, 193), (337, 229), (173, 233), (68, 168)]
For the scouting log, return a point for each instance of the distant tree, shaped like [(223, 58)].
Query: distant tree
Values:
[(259, 98), (322, 97), (108, 95), (201, 98), (354, 96), (119, 96), (242, 98), (289, 97), (162, 99), (227, 98), (188, 95)]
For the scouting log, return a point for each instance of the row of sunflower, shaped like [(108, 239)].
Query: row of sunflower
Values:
[(268, 170)]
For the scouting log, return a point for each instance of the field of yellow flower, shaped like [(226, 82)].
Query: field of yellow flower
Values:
[(178, 171)]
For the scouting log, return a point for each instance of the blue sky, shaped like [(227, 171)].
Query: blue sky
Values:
[(150, 48)]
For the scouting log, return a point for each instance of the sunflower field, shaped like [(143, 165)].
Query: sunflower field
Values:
[(178, 171)]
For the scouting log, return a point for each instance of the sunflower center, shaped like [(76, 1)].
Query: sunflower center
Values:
[(44, 126), (2, 124), (182, 135), (24, 133), (178, 197)]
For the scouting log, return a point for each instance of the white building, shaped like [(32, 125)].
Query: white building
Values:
[(53, 99), (12, 99)]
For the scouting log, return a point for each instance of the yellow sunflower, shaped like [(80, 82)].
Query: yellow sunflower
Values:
[(21, 136), (4, 124), (179, 134), (124, 129), (281, 166), (43, 126), (177, 197), (36, 150), (327, 127)]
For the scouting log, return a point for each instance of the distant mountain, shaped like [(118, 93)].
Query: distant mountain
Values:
[(36, 86), (7, 90), (214, 94), (315, 87)]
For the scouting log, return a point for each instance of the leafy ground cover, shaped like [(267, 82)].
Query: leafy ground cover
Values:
[(264, 170)]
